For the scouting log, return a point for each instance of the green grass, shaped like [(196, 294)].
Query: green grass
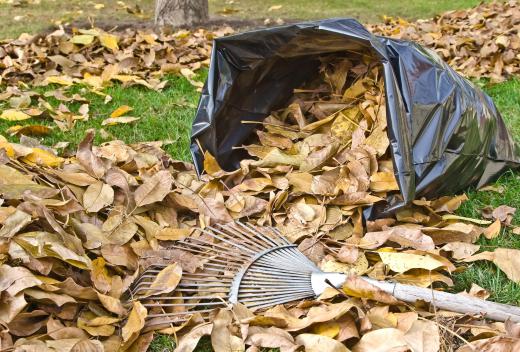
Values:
[(366, 11), (162, 343), (486, 274), (165, 115), (33, 16)]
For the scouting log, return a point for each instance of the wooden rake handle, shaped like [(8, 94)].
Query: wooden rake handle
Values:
[(449, 301)]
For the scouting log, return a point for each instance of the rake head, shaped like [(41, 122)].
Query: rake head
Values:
[(255, 266)]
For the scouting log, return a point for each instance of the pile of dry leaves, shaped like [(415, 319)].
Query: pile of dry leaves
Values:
[(479, 42), (93, 59), (77, 231)]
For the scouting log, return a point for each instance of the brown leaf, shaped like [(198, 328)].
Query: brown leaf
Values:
[(97, 196), (221, 338), (154, 189), (382, 340), (507, 260), (318, 343), (92, 164), (406, 237), (357, 287)]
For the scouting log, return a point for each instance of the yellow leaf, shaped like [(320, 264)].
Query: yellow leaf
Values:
[(211, 165), (29, 130), (43, 157), (95, 81), (328, 328), (83, 39), (111, 121), (457, 217), (14, 115), (383, 182), (123, 109), (109, 41), (401, 262), (63, 80), (135, 322)]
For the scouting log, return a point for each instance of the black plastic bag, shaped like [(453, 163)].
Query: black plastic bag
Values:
[(445, 133)]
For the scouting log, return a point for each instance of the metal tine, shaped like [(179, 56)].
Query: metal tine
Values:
[(264, 290), (185, 298), (205, 253), (278, 300), (202, 285), (262, 268), (273, 279), (256, 276), (205, 279), (280, 261), (205, 275), (251, 239), (289, 295), (181, 304), (209, 246), (285, 283), (181, 313), (255, 236), (266, 294), (287, 255), (192, 290), (274, 286), (279, 234), (232, 243), (238, 239), (259, 234)]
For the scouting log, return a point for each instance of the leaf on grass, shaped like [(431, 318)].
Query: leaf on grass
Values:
[(29, 130), (507, 260), (14, 115), (111, 121), (493, 230)]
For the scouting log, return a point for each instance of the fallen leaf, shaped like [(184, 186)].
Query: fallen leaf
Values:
[(401, 262), (318, 343), (134, 323), (14, 115), (97, 196)]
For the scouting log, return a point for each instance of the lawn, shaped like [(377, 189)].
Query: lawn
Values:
[(32, 16), (167, 115)]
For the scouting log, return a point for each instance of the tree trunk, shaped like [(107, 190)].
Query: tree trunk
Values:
[(180, 12)]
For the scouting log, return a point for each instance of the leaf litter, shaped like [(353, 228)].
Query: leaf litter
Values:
[(77, 231)]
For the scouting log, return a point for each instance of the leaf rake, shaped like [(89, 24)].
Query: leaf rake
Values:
[(259, 268)]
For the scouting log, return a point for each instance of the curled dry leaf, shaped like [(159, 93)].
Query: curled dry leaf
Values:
[(507, 260)]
